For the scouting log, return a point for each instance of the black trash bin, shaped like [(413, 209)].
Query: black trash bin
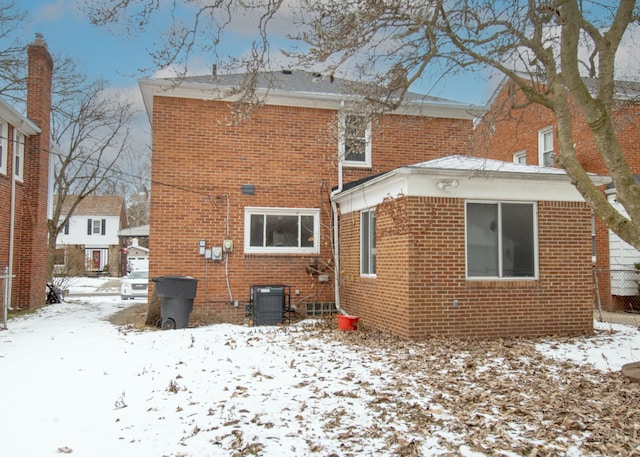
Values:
[(176, 295)]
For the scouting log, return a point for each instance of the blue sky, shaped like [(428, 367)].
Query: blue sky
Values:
[(95, 50), (118, 59)]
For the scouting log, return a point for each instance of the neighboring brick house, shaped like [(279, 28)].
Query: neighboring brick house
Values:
[(467, 247), (529, 136), (25, 185), (90, 239), (264, 184)]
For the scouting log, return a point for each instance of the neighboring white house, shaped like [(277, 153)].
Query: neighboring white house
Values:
[(93, 229), (622, 258)]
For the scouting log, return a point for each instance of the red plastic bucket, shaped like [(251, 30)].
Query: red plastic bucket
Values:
[(346, 322)]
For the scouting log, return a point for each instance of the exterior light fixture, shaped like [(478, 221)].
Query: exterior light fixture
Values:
[(447, 185)]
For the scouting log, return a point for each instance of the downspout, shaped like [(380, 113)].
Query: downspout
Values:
[(336, 238), (226, 254), (12, 230)]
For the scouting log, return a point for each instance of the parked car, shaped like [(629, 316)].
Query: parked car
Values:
[(135, 284)]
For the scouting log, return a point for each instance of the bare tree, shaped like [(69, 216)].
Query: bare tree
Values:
[(12, 53), (394, 43), (132, 180), (91, 125)]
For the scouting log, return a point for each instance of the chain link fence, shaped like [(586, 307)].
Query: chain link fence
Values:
[(618, 289)]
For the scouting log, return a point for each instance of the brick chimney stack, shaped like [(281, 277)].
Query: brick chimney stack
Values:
[(32, 206), (39, 87)]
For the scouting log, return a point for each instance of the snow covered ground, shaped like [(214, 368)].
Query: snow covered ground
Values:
[(71, 382)]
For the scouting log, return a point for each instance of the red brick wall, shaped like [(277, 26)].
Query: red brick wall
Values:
[(505, 131), (30, 246), (427, 235), (289, 155)]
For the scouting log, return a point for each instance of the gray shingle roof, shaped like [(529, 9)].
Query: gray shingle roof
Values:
[(95, 205), (301, 82)]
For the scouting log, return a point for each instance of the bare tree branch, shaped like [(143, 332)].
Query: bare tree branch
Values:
[(542, 46)]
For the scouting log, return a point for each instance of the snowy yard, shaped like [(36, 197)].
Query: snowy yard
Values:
[(71, 382)]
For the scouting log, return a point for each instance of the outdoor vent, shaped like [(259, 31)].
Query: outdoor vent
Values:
[(287, 72)]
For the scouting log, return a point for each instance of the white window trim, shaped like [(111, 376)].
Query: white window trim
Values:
[(18, 152), (96, 226), (4, 144), (372, 250), (315, 212), (541, 150), (520, 155), (536, 251), (341, 143)]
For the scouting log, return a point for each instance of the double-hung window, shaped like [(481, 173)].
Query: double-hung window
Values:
[(3, 147), (546, 156), (18, 156), (282, 230), (368, 243), (501, 240), (355, 140), (96, 226)]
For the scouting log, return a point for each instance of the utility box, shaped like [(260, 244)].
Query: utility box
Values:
[(269, 304)]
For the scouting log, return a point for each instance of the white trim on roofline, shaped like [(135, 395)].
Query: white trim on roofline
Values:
[(20, 122), (513, 182), (165, 88)]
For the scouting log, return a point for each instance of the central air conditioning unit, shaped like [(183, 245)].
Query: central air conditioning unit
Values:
[(270, 304)]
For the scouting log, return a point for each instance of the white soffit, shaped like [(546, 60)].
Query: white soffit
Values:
[(513, 184)]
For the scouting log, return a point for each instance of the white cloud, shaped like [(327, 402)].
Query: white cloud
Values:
[(53, 11)]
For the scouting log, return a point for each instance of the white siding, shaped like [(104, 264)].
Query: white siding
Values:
[(622, 260)]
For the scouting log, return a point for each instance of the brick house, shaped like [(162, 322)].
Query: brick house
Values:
[(256, 193), (467, 247), (25, 185), (529, 136), (90, 237)]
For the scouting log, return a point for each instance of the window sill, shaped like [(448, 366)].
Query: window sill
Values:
[(356, 165), (514, 283), (274, 255)]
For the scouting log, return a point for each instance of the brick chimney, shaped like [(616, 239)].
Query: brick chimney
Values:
[(39, 87), (32, 197)]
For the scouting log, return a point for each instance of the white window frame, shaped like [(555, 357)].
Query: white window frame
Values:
[(368, 249), (267, 211), (366, 163), (546, 153), (4, 146), (520, 157), (96, 226), (18, 155), (501, 275)]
